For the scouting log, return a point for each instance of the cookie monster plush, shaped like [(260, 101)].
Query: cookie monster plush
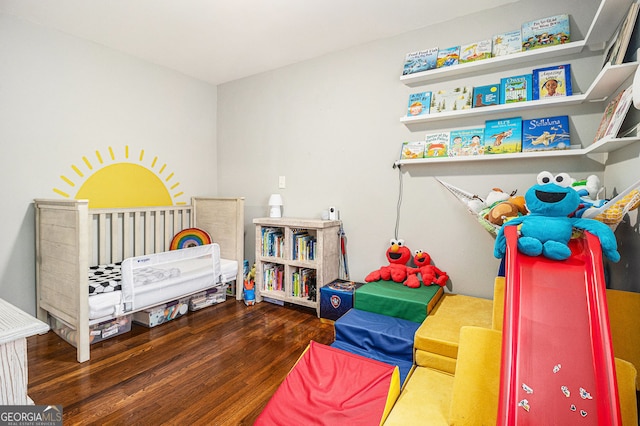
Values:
[(547, 228)]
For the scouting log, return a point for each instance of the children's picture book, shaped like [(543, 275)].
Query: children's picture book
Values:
[(619, 114), (545, 32), (616, 51), (436, 144), (552, 81), (419, 104), (546, 134), (503, 136), (412, 150), (486, 95), (451, 99), (449, 56), (506, 43), (475, 51), (464, 142), (607, 116), (516, 89), (422, 60)]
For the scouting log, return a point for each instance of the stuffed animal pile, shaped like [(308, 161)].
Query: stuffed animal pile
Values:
[(399, 271)]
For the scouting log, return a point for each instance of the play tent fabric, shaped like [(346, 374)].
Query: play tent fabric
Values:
[(329, 386)]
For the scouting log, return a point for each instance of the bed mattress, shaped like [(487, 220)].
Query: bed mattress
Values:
[(145, 281)]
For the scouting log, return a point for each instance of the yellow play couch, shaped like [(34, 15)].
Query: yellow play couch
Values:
[(457, 353)]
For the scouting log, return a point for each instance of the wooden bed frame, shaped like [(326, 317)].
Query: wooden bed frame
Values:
[(70, 237)]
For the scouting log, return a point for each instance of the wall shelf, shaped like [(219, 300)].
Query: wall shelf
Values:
[(607, 81), (602, 146), (605, 22)]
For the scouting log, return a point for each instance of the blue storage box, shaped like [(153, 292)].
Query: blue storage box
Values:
[(336, 298)]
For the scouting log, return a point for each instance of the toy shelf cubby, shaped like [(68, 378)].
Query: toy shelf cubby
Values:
[(294, 258)]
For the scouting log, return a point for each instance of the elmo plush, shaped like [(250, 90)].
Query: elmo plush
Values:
[(398, 255), (428, 272)]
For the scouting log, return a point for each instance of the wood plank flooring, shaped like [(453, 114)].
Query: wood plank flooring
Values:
[(216, 366)]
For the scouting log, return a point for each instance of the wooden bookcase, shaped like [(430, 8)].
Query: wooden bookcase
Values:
[(280, 247)]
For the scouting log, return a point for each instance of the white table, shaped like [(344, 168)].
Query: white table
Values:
[(15, 326)]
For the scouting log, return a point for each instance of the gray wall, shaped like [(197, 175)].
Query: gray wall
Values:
[(331, 126), (62, 98)]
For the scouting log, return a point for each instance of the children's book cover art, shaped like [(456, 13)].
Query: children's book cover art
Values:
[(419, 104), (465, 142), (516, 89), (506, 43), (422, 60), (545, 32), (475, 51), (448, 57), (503, 136), (436, 144), (412, 150), (486, 95), (552, 81), (546, 134), (451, 99), (607, 116)]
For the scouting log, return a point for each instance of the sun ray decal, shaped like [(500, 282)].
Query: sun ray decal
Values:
[(114, 183)]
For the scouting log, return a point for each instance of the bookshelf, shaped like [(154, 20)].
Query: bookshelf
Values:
[(291, 255), (607, 18), (609, 14)]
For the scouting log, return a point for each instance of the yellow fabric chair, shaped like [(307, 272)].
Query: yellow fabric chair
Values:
[(436, 340), (624, 307)]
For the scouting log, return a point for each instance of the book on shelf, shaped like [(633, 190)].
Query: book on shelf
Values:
[(545, 32), (412, 150), (546, 134), (606, 117), (631, 55), (506, 43), (619, 114), (616, 51), (465, 142), (503, 136), (419, 61), (451, 99), (486, 95), (516, 89), (475, 51), (448, 56), (551, 81), (419, 104), (272, 242), (436, 144), (273, 277)]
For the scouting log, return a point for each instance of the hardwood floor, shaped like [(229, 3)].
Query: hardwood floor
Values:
[(216, 366)]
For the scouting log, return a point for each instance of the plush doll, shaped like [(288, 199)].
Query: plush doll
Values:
[(589, 190), (428, 272), (547, 228), (506, 210), (398, 256)]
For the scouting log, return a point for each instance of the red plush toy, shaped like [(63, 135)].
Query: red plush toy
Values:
[(429, 273), (398, 255)]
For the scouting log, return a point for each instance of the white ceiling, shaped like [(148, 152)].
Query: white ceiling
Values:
[(224, 40)]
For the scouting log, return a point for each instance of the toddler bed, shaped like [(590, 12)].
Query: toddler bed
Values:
[(131, 250)]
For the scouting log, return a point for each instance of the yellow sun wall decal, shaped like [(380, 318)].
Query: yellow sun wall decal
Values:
[(121, 182)]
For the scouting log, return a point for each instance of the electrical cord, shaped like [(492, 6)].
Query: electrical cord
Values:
[(400, 189)]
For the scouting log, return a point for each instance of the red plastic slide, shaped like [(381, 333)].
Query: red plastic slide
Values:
[(557, 357)]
